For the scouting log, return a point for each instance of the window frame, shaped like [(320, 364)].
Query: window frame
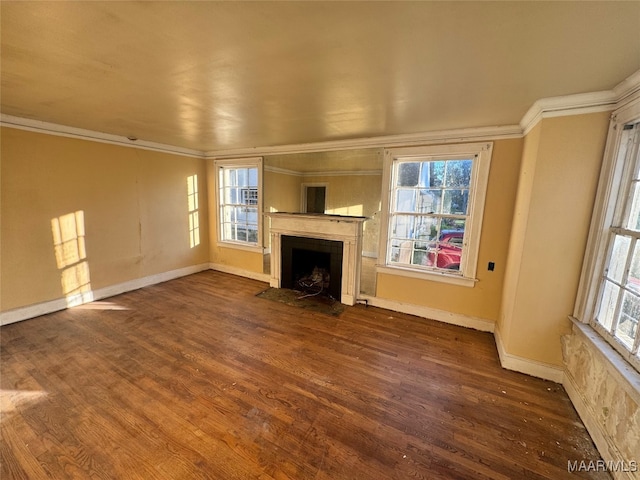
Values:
[(237, 163), (612, 201), (481, 153)]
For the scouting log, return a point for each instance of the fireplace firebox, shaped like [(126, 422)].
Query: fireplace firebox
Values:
[(344, 233), (304, 257)]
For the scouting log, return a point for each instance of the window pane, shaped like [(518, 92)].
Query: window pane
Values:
[(618, 257), (405, 200), (628, 321), (403, 226), (241, 233), (633, 281), (455, 202), (252, 216), (243, 177), (401, 252), (252, 233), (408, 174), (253, 177), (432, 174), (419, 257), (458, 173), (634, 214), (429, 201), (450, 246), (228, 231), (608, 304), (427, 228), (455, 224)]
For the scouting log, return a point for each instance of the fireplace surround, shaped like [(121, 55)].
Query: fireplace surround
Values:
[(304, 227)]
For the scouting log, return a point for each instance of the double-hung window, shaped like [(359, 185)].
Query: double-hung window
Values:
[(239, 201), (609, 294), (617, 309), (434, 210)]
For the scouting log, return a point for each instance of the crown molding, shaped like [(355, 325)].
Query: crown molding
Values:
[(581, 103), (346, 173), (282, 171), (626, 89), (91, 135), (328, 173), (567, 105), (385, 141)]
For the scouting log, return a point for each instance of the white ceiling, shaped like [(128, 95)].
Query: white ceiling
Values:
[(227, 75)]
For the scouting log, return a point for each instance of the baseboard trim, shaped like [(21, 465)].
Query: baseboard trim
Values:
[(534, 368), (241, 272), (431, 313), (32, 311), (610, 454)]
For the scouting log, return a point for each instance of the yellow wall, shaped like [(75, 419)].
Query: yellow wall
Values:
[(237, 259), (484, 299), (281, 194), (355, 195), (134, 212), (557, 187)]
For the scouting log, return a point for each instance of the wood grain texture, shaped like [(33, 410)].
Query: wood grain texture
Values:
[(197, 378)]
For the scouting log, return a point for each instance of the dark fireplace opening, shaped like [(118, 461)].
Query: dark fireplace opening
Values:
[(312, 265)]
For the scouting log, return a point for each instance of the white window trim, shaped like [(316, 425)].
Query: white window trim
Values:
[(250, 162), (611, 178), (479, 180)]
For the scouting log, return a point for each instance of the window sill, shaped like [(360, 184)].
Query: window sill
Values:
[(430, 276), (241, 246)]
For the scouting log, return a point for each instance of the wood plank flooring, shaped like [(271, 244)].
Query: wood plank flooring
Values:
[(197, 378)]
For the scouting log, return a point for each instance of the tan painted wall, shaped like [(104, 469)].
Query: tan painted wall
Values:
[(355, 195), (561, 165), (133, 202), (518, 229), (484, 299), (281, 194)]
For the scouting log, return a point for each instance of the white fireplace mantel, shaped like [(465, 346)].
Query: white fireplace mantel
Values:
[(345, 229)]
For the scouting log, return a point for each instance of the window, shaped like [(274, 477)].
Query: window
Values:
[(239, 201), (434, 210), (618, 309)]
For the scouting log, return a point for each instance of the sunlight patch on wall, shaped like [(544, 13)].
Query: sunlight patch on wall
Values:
[(71, 257), (194, 218), (353, 210)]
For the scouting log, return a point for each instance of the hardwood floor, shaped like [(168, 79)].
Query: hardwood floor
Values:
[(197, 378)]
